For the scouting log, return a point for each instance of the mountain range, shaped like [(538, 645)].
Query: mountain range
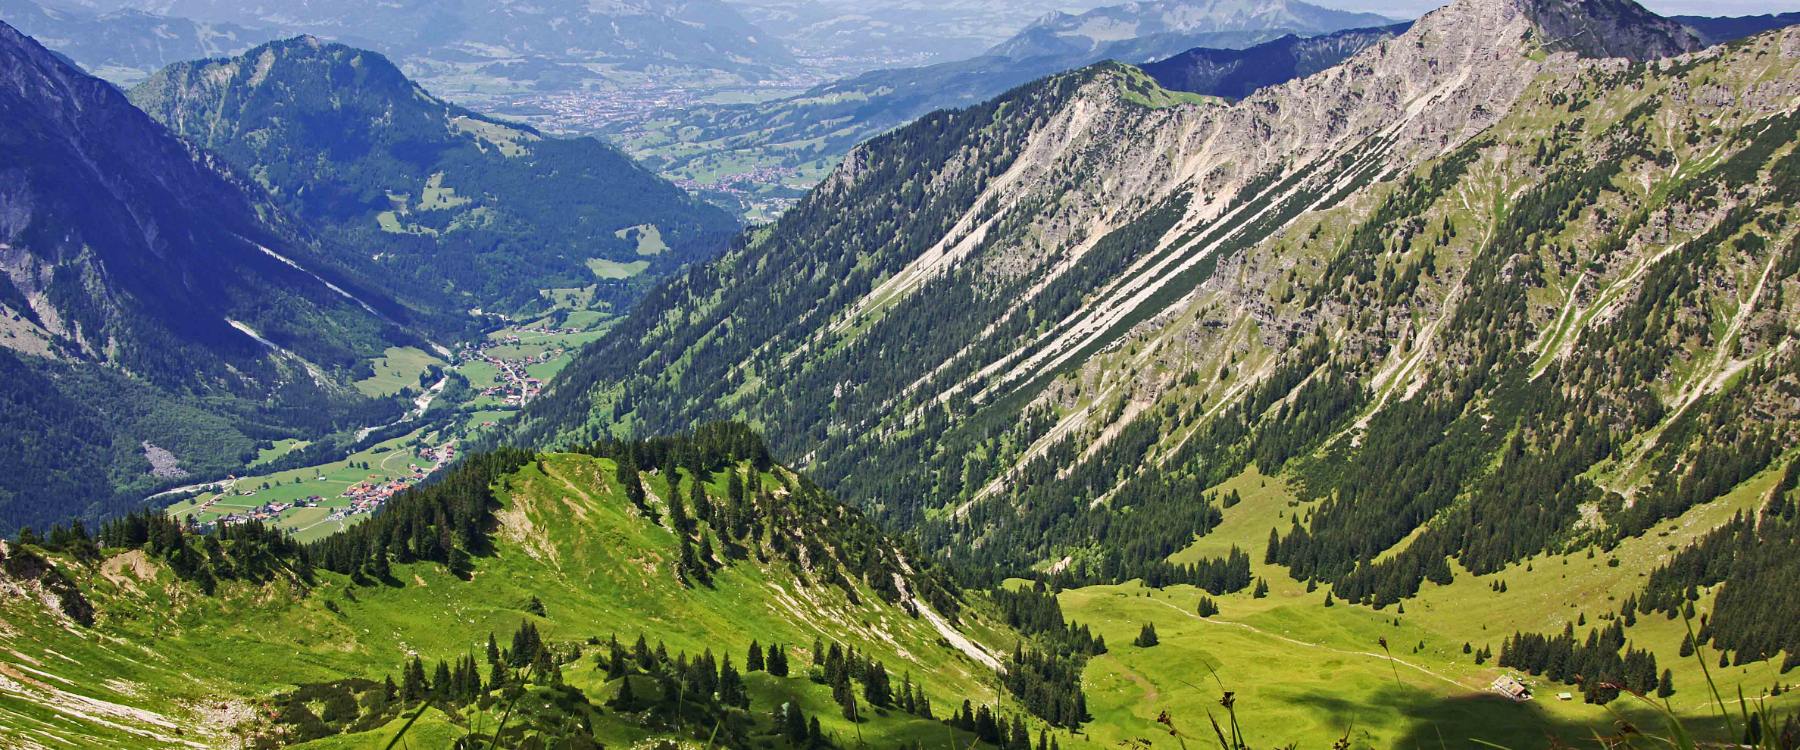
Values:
[(1512, 286), (705, 33), (1066, 34), (126, 45), (1404, 380), (177, 310), (452, 209)]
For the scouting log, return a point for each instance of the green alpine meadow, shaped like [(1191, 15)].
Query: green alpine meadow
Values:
[(1233, 374)]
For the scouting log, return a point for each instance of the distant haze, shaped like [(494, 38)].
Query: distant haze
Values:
[(1415, 8)]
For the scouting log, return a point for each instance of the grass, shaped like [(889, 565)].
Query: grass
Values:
[(397, 369), (648, 237), (1310, 670), (567, 536), (387, 460), (612, 269)]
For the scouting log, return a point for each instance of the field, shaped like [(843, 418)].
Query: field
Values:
[(398, 369), (1303, 672), (387, 460), (612, 269)]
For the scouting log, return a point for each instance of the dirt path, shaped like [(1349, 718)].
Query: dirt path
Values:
[(1297, 642)]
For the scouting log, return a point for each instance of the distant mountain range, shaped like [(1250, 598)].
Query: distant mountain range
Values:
[(1237, 73), (1094, 32), (170, 312), (1725, 29), (633, 33), (810, 131), (128, 44), (454, 210)]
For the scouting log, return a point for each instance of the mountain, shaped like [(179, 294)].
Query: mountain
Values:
[(1235, 74), (852, 37), (705, 33), (798, 139), (126, 45), (168, 309), (1064, 34), (1486, 330), (588, 616), (447, 206), (1725, 29)]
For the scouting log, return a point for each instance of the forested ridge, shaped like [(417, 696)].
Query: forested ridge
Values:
[(450, 208), (1562, 330)]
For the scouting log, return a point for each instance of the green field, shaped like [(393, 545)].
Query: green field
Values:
[(612, 269), (398, 369), (567, 536), (1306, 673), (327, 481)]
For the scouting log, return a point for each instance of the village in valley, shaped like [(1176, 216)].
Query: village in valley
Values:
[(471, 388)]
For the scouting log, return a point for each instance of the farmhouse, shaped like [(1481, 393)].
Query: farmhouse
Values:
[(1511, 688)]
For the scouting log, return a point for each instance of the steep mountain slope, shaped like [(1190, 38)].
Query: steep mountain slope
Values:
[(292, 637), (173, 288), (704, 33), (1064, 34), (127, 45), (1024, 270), (1235, 74), (455, 208), (1453, 315), (808, 133)]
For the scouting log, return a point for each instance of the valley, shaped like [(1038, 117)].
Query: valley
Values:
[(479, 386), (1178, 374)]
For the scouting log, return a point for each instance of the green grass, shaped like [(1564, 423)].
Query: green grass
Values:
[(399, 368), (326, 480), (612, 269), (566, 536), (648, 236), (1309, 670)]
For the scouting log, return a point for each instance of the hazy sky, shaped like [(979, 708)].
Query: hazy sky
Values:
[(1413, 8)]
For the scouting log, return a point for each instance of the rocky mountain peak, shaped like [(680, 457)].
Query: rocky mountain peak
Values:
[(1589, 28)]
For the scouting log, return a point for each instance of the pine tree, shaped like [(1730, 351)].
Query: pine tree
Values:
[(795, 725), (440, 680), (1261, 590), (1146, 637), (1207, 607), (493, 649), (754, 661), (1665, 687), (1328, 601), (1021, 739), (412, 685), (626, 698), (697, 498), (847, 699), (731, 686), (778, 661)]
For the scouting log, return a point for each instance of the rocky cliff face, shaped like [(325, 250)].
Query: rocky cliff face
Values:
[(1045, 308)]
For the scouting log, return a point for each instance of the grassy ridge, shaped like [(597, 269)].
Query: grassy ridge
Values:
[(566, 535)]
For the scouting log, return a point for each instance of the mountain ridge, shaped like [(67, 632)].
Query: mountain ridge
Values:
[(433, 189), (136, 259)]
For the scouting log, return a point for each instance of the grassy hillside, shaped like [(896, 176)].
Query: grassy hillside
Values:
[(571, 556)]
